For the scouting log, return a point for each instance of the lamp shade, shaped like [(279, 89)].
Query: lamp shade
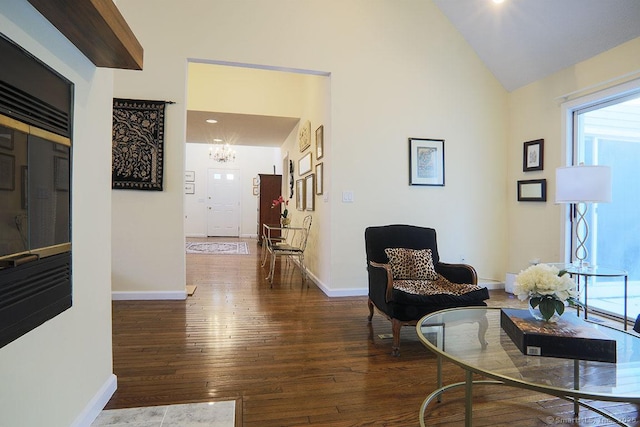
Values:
[(576, 184)]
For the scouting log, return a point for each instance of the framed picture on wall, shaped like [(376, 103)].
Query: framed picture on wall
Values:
[(304, 164), (426, 161), (533, 156), (319, 142), (319, 179), (304, 136), (532, 190), (310, 196), (300, 196)]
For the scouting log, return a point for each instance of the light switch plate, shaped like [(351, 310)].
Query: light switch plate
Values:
[(347, 197)]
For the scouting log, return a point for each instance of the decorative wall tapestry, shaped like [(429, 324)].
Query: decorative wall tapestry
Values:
[(138, 144)]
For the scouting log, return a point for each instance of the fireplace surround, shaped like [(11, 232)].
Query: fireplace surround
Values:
[(36, 109)]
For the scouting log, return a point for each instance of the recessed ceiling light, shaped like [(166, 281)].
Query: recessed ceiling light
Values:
[(217, 140), (212, 121), (498, 1)]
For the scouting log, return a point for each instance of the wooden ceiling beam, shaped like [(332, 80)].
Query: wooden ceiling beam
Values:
[(97, 29)]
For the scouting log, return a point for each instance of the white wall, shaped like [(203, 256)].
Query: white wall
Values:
[(250, 161), (315, 108), (414, 76), (535, 111), (57, 374), (238, 89), (148, 254)]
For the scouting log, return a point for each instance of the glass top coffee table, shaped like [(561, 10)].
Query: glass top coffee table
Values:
[(473, 339)]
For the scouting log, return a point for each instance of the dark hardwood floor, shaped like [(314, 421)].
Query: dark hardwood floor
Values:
[(294, 357)]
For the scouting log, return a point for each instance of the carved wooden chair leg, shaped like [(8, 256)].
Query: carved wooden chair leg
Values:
[(396, 325), (370, 303)]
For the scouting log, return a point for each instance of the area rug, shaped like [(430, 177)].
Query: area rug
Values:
[(210, 414), (218, 248)]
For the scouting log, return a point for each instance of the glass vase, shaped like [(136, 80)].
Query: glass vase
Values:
[(537, 314)]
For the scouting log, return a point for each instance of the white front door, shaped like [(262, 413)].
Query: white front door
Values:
[(223, 202)]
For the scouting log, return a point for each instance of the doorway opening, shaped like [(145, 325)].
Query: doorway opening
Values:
[(257, 110)]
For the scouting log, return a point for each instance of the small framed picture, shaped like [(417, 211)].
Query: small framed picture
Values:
[(426, 161), (319, 180), (304, 164), (319, 142), (304, 136), (189, 176), (533, 156), (532, 190), (189, 188), (310, 196), (300, 196)]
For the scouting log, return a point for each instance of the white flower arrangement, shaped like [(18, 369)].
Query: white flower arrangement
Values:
[(547, 288)]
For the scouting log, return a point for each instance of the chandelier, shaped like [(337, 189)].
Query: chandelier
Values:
[(222, 154)]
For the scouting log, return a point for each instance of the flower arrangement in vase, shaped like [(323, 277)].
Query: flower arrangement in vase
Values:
[(284, 219), (548, 290)]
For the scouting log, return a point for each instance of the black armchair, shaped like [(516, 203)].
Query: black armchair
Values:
[(404, 308)]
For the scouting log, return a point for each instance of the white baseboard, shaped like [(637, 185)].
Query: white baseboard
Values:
[(204, 236), (350, 292), (491, 284), (148, 295), (97, 403), (195, 235)]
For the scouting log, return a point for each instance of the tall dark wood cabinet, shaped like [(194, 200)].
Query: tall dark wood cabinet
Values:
[(270, 188)]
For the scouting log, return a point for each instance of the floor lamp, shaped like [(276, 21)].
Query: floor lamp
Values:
[(580, 185)]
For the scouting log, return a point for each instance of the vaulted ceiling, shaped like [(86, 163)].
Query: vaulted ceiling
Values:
[(520, 41)]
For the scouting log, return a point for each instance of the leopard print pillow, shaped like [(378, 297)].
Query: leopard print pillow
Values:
[(411, 264)]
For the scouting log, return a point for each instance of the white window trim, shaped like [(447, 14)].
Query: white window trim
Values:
[(567, 110)]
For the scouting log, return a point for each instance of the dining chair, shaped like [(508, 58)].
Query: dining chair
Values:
[(293, 247)]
